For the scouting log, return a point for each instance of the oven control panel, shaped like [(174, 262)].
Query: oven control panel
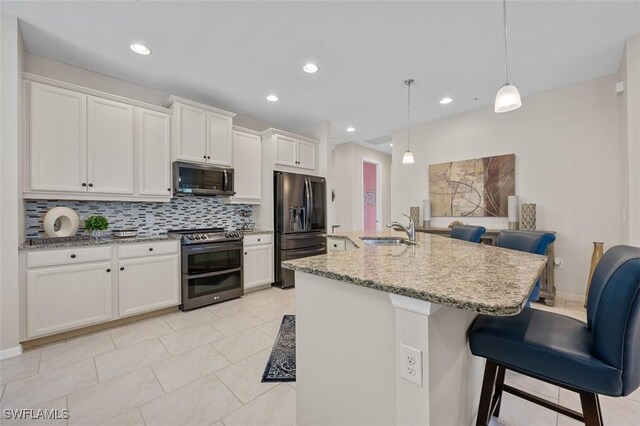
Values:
[(212, 237)]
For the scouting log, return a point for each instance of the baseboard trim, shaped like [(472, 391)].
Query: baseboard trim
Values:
[(570, 296), (11, 352)]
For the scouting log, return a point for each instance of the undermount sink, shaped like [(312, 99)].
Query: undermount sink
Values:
[(384, 241)]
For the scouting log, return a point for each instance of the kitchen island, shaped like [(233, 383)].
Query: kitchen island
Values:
[(356, 309)]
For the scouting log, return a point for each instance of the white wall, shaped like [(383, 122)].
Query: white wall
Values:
[(10, 210), (348, 185), (567, 150), (631, 135)]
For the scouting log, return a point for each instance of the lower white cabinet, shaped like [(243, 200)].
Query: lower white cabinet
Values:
[(147, 284), (74, 287), (61, 298), (258, 262)]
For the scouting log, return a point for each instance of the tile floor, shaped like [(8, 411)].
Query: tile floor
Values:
[(204, 367)]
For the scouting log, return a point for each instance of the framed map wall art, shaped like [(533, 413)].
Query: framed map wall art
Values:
[(478, 187)]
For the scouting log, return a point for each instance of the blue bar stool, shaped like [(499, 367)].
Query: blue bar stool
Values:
[(531, 242), (468, 233), (599, 357)]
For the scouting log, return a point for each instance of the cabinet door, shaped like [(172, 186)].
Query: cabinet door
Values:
[(258, 265), (110, 146), (191, 133), (58, 139), (306, 155), (219, 140), (154, 160), (247, 165), (286, 151), (147, 284), (66, 297)]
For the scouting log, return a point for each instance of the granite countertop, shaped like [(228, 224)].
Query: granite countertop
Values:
[(99, 242), (473, 277)]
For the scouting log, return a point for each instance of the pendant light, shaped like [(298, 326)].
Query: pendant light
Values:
[(508, 97), (407, 158)]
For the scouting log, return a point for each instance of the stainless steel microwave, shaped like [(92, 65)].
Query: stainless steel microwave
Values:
[(202, 179)]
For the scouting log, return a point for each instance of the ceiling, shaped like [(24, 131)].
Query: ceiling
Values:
[(233, 54)]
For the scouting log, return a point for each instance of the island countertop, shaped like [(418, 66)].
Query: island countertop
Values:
[(473, 277)]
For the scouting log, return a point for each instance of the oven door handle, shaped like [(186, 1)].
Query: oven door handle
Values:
[(212, 248), (212, 274)]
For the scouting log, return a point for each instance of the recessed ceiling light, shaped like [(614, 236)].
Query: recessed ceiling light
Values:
[(272, 98), (390, 144), (351, 129), (140, 49), (445, 101), (310, 68)]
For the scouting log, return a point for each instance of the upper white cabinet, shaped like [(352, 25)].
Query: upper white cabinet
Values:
[(307, 155), (191, 133), (110, 146), (286, 151), (292, 151), (202, 134), (154, 153), (58, 133), (85, 144), (247, 164), (219, 140)]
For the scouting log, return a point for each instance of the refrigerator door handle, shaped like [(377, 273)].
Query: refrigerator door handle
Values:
[(307, 204)]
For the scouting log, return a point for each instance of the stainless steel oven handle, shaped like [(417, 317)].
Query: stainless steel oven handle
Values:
[(212, 247), (212, 274)]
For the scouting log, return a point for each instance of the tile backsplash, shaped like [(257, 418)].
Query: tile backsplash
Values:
[(183, 212)]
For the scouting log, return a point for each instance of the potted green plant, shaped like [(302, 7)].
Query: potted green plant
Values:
[(96, 225)]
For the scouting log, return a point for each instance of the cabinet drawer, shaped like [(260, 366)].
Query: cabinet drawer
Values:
[(252, 240), (151, 248), (334, 244), (68, 256)]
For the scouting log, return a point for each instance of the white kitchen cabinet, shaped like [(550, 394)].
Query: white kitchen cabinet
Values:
[(87, 145), (258, 261), (219, 140), (306, 155), (57, 153), (148, 283), (191, 133), (292, 151), (109, 146), (203, 134), (286, 151), (336, 244), (247, 165), (66, 297), (154, 153)]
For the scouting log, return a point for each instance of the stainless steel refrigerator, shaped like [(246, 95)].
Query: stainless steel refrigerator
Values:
[(300, 204)]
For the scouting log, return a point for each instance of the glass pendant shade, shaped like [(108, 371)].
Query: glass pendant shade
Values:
[(508, 98), (407, 158)]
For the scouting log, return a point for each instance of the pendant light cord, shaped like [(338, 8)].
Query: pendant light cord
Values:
[(504, 21), (409, 114)]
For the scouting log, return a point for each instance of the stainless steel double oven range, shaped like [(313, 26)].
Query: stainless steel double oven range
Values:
[(211, 266)]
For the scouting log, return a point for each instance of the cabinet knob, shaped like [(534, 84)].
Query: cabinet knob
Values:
[(150, 248), (84, 184), (122, 268), (245, 253), (90, 185), (204, 156), (73, 256), (259, 240), (208, 157), (169, 189), (108, 270)]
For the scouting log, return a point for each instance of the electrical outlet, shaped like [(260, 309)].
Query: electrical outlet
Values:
[(411, 364), (558, 263)]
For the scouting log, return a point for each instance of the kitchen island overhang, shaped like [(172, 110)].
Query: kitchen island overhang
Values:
[(356, 308)]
